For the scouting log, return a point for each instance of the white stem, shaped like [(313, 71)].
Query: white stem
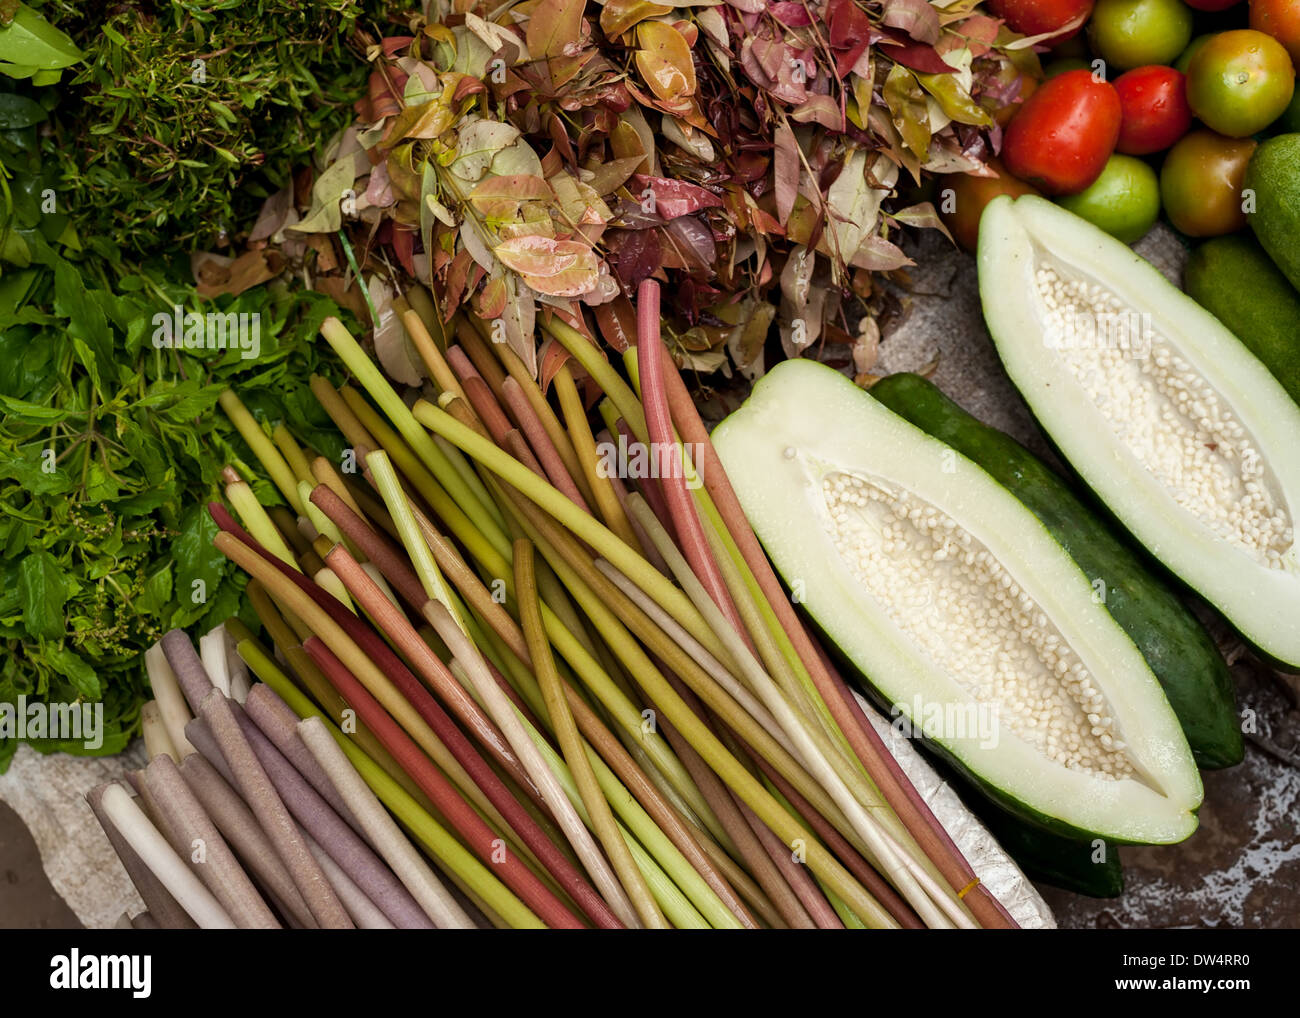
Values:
[(409, 866), (152, 848), (172, 708)]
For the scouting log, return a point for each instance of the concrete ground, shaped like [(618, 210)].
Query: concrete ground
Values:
[(27, 901)]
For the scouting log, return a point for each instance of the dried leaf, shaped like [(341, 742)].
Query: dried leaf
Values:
[(561, 268), (879, 255), (915, 17), (498, 38), (853, 205), (866, 347), (786, 168), (478, 143), (273, 216), (606, 177), (396, 355), (922, 216), (328, 193), (427, 120), (694, 141), (218, 275), (819, 109)]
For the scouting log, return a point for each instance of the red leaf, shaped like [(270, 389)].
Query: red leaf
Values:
[(617, 323), (553, 357), (914, 55), (790, 14), (673, 198), (850, 34), (404, 248), (635, 254)]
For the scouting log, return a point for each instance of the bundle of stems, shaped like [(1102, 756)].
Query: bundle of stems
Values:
[(247, 817), (580, 691)]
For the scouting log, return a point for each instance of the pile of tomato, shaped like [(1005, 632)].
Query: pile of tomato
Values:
[(1134, 112)]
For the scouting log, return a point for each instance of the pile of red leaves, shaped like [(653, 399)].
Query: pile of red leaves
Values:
[(547, 156)]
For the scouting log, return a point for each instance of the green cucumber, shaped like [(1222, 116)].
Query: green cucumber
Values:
[(1176, 646), (1233, 279)]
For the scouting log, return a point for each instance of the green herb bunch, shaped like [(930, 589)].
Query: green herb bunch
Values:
[(110, 449), (188, 113), (110, 445)]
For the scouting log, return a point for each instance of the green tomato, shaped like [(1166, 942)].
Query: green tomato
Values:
[(1185, 57), (1124, 201), (1133, 33), (1201, 182), (1058, 67), (1240, 82)]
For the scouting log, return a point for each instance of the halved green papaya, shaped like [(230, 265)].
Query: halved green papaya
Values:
[(971, 624), (1179, 429), (1176, 646)]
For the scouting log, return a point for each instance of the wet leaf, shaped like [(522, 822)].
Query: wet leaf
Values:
[(554, 26), (906, 101), (953, 100), (617, 16), (664, 60), (561, 268), (669, 198)]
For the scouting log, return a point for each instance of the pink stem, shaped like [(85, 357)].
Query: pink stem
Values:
[(672, 479), (531, 427)]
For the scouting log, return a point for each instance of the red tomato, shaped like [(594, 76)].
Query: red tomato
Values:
[(1038, 17), (1063, 135), (1281, 20), (1156, 114)]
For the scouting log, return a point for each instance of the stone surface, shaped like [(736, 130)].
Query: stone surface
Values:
[(48, 793)]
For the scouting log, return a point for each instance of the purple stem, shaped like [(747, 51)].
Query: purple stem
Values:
[(257, 790)]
